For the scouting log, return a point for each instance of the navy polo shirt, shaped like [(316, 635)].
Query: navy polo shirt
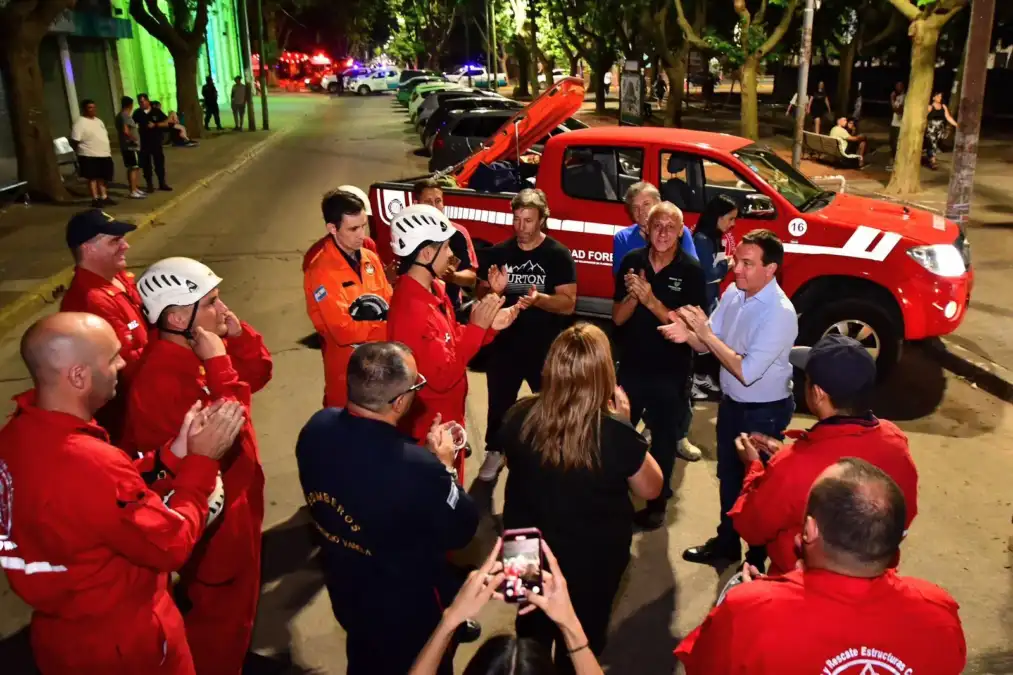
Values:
[(387, 511)]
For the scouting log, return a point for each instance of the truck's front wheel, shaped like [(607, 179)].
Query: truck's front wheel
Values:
[(865, 321)]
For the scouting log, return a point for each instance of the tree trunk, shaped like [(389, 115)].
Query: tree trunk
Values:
[(523, 66), (676, 87), (602, 65), (33, 139), (187, 102), (504, 60), (533, 57), (906, 177), (750, 124), (845, 75)]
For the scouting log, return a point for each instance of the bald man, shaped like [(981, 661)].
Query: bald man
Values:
[(82, 538)]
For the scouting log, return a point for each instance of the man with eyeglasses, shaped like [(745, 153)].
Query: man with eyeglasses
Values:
[(386, 511)]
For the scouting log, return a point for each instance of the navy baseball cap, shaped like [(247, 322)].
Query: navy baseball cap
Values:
[(838, 365), (91, 223)]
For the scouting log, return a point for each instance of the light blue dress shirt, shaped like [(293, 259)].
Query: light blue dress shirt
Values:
[(762, 329)]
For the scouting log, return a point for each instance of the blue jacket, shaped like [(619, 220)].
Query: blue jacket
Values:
[(630, 238), (713, 273)]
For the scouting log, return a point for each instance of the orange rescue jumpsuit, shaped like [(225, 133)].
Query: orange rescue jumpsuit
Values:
[(88, 545), (222, 578), (331, 286), (88, 292)]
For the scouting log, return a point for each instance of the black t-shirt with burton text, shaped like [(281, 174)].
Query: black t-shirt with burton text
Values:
[(545, 267), (641, 345)]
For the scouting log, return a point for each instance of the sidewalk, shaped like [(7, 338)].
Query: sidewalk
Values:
[(35, 265), (982, 348)]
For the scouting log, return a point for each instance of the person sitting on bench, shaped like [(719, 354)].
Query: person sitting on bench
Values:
[(849, 144)]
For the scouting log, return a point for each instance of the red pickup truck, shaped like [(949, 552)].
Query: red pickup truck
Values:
[(873, 270)]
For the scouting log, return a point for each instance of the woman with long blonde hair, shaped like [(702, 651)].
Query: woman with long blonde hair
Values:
[(573, 459)]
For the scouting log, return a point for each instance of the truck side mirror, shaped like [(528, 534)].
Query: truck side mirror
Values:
[(758, 206)]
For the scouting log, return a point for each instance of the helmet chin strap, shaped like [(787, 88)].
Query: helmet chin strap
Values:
[(188, 331), (427, 266)]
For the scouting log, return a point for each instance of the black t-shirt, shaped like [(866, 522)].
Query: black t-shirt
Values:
[(679, 283), (581, 512), (459, 247), (546, 267), (152, 137)]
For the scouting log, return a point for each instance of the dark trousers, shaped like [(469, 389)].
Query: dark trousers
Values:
[(662, 401), (386, 631), (152, 154), (506, 370), (743, 418), (209, 112), (894, 139), (593, 589)]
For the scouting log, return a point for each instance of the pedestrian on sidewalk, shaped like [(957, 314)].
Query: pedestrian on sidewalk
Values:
[(751, 334), (203, 352), (897, 106), (86, 543), (209, 92), (103, 286), (238, 102), (152, 124), (130, 145), (94, 153)]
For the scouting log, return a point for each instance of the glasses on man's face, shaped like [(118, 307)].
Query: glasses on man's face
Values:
[(415, 387)]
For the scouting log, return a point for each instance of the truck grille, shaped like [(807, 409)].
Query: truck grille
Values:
[(964, 247)]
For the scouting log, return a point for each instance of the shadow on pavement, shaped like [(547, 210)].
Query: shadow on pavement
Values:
[(291, 578)]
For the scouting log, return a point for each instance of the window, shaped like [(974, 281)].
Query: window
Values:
[(464, 127), (681, 180), (721, 180), (487, 126), (600, 173), (780, 175)]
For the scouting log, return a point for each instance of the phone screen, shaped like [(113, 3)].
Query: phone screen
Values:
[(522, 564)]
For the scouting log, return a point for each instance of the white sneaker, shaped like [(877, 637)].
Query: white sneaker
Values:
[(688, 451), (706, 383), (491, 465), (699, 394), (137, 194)]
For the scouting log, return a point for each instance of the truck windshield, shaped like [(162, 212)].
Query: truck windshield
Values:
[(780, 175)]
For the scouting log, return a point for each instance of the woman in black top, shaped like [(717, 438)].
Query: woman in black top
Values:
[(935, 128), (819, 105), (573, 459)]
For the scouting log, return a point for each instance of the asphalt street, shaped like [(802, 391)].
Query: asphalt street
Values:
[(253, 226)]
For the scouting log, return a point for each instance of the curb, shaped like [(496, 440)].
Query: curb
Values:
[(47, 290), (977, 370)]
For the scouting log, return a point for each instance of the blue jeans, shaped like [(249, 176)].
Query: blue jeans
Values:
[(733, 419)]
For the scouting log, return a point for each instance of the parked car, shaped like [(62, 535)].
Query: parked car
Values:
[(432, 103), (409, 74), (877, 271), (478, 75), (383, 79), (405, 91), (557, 75), (467, 130), (424, 91), (439, 118)]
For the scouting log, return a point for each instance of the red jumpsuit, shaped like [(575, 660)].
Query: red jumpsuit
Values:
[(222, 579), (331, 285), (88, 545), (88, 292), (771, 508), (425, 322), (820, 622)]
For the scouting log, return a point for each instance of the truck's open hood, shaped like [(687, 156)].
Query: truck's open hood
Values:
[(533, 122), (912, 223)]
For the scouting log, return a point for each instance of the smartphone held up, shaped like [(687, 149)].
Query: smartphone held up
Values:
[(521, 556)]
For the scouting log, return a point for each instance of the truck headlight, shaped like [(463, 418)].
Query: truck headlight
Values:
[(942, 259)]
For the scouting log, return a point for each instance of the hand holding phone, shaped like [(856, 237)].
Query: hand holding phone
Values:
[(521, 556)]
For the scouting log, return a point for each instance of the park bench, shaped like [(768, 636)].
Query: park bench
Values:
[(65, 156), (13, 191), (826, 148)]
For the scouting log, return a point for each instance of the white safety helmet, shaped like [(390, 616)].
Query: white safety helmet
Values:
[(417, 224), (174, 282), (353, 190)]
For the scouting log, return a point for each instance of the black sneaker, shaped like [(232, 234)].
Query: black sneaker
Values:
[(149, 188), (96, 203), (165, 188), (648, 520), (712, 552), (108, 202), (469, 631)]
